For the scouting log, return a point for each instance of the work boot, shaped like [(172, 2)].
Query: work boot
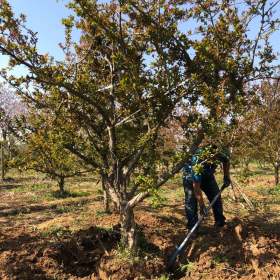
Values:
[(221, 229), (220, 224)]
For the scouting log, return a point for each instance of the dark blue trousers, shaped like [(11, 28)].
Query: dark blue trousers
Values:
[(210, 187)]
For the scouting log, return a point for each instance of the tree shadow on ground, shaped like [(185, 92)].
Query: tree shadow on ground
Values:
[(27, 209), (69, 194), (172, 220), (8, 187), (161, 207), (81, 253)]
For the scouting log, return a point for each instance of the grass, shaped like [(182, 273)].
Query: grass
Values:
[(176, 180), (67, 208), (275, 191), (39, 187), (127, 255), (44, 192), (145, 248), (101, 213), (219, 259), (55, 231)]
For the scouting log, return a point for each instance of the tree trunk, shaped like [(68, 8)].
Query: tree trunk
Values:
[(110, 194), (117, 196), (106, 197), (276, 173), (246, 167), (128, 227), (2, 162), (61, 183)]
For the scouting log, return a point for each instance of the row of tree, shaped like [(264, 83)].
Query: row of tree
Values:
[(258, 129), (138, 68)]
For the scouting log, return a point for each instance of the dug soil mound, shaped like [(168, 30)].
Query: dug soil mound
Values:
[(31, 256), (240, 251)]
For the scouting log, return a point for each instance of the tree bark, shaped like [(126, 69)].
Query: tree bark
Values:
[(110, 194), (2, 162), (128, 227), (3, 171), (61, 183), (106, 197), (276, 174), (122, 207)]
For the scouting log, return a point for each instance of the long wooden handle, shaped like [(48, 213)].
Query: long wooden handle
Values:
[(180, 249)]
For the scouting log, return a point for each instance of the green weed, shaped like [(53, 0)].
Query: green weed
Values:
[(188, 267), (157, 200), (39, 187), (101, 213), (126, 254), (99, 191), (67, 208), (34, 198), (20, 189), (164, 277), (55, 231), (275, 190), (219, 260), (176, 180)]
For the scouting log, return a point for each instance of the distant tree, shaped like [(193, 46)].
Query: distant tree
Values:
[(171, 141), (260, 126), (130, 72), (43, 149), (10, 107)]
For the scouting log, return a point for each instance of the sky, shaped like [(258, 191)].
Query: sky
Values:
[(44, 17)]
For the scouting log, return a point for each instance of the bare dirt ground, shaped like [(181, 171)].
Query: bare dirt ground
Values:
[(44, 236)]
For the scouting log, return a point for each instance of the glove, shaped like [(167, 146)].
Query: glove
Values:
[(203, 210), (227, 182)]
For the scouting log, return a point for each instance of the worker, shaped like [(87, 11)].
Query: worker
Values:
[(199, 176)]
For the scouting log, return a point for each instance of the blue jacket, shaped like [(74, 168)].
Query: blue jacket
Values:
[(204, 163)]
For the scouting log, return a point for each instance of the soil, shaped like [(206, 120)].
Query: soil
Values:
[(84, 242)]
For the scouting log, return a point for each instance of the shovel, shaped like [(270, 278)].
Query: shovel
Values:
[(180, 249)]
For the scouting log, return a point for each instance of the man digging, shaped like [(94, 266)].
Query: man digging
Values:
[(199, 176)]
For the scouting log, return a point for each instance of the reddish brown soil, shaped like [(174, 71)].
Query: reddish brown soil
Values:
[(248, 248)]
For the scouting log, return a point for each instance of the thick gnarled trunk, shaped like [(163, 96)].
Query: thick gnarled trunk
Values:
[(128, 227), (121, 206)]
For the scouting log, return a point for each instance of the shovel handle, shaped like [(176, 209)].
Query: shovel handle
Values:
[(179, 249)]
